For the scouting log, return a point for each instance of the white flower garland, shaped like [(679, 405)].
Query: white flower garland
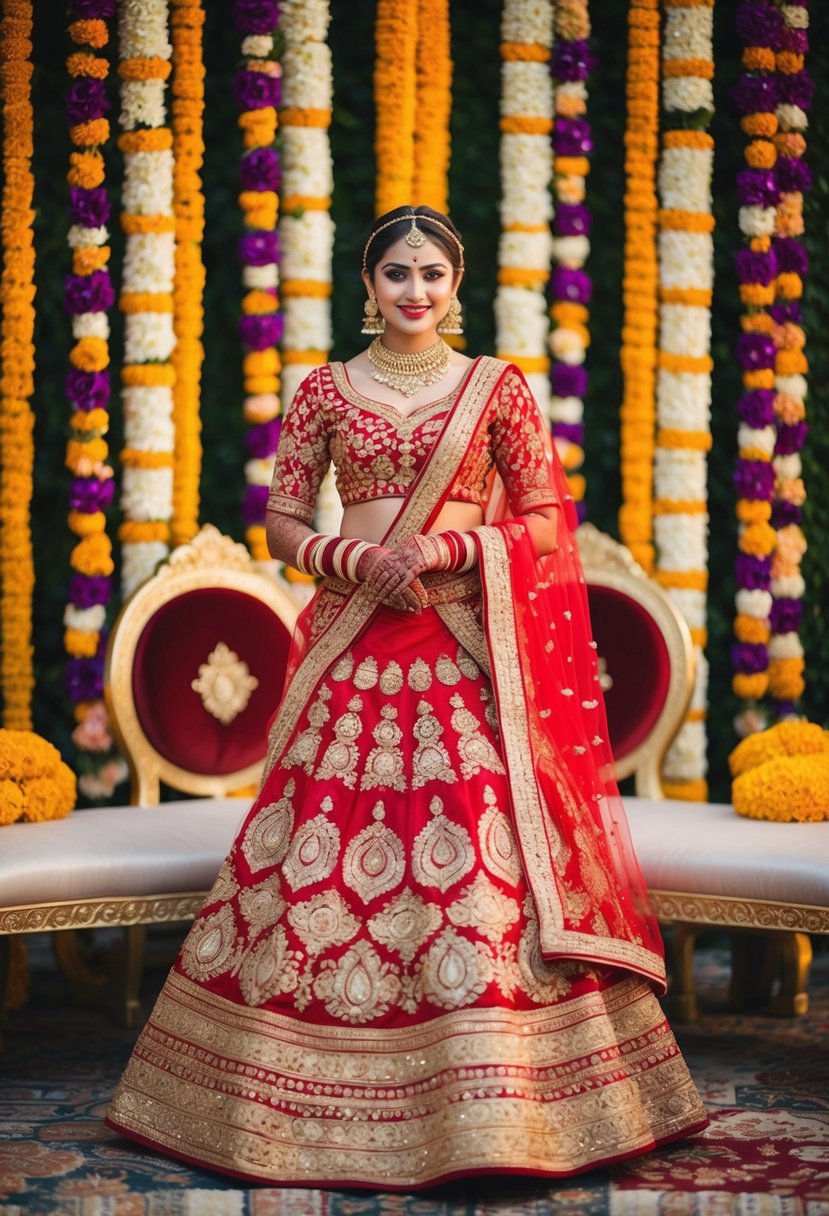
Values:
[(683, 384), (306, 230), (148, 272), (522, 325)]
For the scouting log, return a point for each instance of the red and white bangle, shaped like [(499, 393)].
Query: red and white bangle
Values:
[(450, 550), (332, 556)]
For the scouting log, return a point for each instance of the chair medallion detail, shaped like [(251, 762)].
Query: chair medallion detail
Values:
[(224, 683)]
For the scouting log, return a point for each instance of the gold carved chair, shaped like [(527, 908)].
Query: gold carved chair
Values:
[(646, 658), (194, 670)]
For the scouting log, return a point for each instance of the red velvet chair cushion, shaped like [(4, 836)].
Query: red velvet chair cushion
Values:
[(175, 642), (636, 659)]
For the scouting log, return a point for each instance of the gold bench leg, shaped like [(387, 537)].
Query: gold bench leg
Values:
[(681, 1001), (771, 970), (110, 982)]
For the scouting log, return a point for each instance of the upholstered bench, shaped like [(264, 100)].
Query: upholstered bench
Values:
[(705, 866), (112, 866)]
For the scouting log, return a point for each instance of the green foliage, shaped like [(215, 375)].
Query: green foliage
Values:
[(474, 194)]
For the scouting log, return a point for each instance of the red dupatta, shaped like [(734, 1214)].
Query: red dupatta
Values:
[(568, 814)]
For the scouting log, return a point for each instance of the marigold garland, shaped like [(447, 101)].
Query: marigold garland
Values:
[(782, 773), (639, 284), (683, 378), (149, 269), (433, 101), (570, 286), (395, 90), (522, 323), (188, 288), (17, 358), (257, 91), (88, 296)]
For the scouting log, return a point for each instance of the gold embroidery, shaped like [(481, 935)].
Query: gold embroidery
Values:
[(262, 906), (211, 947), (269, 832), (442, 853), (374, 860), (499, 851), (391, 681), (225, 886), (447, 671), (323, 921), (483, 907), (405, 923), (384, 764), (340, 757), (313, 852), (431, 759), (343, 668), (359, 987), (268, 968), (454, 972), (303, 750), (280, 1099), (463, 619), (419, 677), (365, 677), (545, 983), (467, 664), (475, 750), (224, 684)]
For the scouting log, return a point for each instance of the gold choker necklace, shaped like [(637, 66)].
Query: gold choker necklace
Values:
[(409, 372)]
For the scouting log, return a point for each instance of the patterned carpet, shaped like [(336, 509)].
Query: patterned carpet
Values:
[(765, 1082)]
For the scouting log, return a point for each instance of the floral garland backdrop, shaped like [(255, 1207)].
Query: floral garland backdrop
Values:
[(306, 230), (88, 297), (146, 297), (257, 92), (522, 323), (570, 285), (187, 88), (17, 359), (639, 283), (684, 364), (794, 99)]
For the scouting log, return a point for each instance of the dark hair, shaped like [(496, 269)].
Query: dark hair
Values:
[(392, 231)]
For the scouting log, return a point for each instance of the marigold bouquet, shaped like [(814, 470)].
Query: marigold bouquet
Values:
[(782, 773), (35, 784)]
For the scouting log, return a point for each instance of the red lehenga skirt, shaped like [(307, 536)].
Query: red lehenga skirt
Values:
[(362, 1000)]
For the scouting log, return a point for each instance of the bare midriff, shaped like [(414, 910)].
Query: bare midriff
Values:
[(372, 520)]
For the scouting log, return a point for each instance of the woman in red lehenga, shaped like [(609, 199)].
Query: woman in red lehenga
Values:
[(428, 953)]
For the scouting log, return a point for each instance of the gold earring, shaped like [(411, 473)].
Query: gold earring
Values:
[(451, 323), (373, 323)]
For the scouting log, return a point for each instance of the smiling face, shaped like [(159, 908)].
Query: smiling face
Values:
[(413, 289)]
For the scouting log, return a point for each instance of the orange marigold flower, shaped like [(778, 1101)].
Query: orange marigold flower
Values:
[(86, 169), (761, 154), (89, 32), (82, 64), (89, 134), (90, 354), (764, 125)]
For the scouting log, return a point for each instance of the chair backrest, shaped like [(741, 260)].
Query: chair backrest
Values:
[(646, 656), (194, 670)]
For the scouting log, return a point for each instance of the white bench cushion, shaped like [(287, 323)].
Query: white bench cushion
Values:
[(708, 849), (118, 851)]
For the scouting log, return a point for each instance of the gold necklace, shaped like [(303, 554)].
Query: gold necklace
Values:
[(409, 372)]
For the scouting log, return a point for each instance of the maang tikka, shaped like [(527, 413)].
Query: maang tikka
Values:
[(373, 322)]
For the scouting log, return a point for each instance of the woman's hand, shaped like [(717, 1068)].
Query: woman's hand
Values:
[(392, 578)]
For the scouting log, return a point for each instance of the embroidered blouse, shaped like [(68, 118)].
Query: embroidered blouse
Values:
[(378, 452)]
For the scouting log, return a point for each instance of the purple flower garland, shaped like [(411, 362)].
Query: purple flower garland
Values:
[(570, 286), (256, 88), (88, 296)]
